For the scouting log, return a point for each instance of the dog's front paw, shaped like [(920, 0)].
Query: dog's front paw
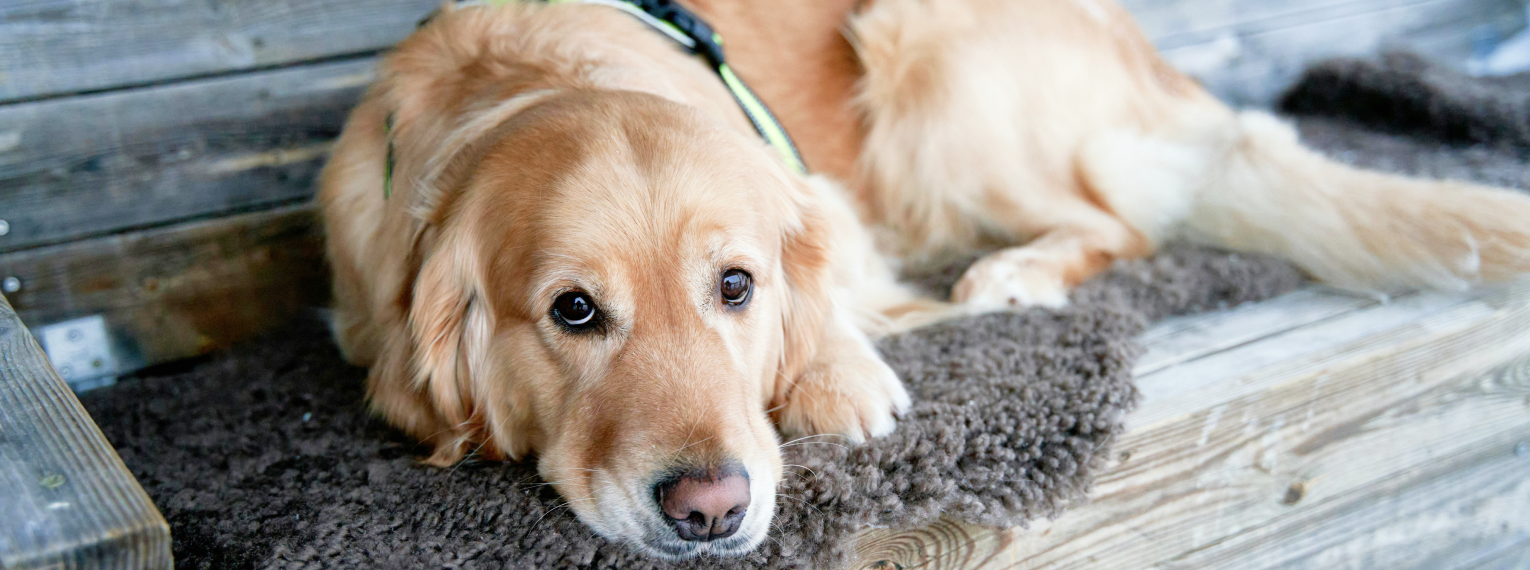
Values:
[(1011, 278), (853, 396)]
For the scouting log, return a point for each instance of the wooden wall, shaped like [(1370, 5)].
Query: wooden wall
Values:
[(1248, 51), (156, 156)]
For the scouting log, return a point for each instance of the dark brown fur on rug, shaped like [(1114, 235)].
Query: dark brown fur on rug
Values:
[(264, 456)]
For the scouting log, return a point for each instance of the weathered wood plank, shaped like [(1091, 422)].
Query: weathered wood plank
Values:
[(1248, 52), (68, 501), (179, 291), (51, 47), (1440, 517), (1510, 557), (92, 165), (1203, 383), (1181, 339), (1451, 486), (1177, 23), (945, 544), (1405, 447)]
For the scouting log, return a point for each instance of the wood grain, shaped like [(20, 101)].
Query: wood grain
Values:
[(1407, 446), (68, 500), (945, 544), (85, 166), (53, 47), (1178, 340), (179, 291), (1247, 53)]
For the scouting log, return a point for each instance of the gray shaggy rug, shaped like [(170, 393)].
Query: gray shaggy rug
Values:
[(264, 456)]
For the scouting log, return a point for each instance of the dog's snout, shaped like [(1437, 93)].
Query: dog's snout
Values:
[(705, 505)]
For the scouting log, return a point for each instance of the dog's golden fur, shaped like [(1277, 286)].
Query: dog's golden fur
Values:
[(543, 149)]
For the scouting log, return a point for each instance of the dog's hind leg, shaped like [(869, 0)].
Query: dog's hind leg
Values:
[(975, 113), (1041, 272)]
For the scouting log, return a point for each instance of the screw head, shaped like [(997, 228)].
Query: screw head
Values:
[(10, 285), (1523, 449), (5, 227)]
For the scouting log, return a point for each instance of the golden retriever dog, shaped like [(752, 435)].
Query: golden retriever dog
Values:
[(555, 233)]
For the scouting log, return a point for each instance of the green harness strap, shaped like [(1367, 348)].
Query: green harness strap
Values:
[(685, 28)]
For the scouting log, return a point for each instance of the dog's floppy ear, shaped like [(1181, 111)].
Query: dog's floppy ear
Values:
[(450, 327), (438, 324), (808, 284)]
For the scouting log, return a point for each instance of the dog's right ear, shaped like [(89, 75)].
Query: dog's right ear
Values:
[(446, 330), (451, 326), (421, 380), (436, 378)]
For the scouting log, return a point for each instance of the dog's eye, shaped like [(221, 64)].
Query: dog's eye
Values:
[(735, 287), (576, 310)]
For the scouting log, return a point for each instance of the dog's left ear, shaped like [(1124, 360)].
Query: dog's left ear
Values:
[(832, 380), (807, 302)]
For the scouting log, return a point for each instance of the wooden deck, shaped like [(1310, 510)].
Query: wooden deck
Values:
[(157, 159), (1317, 430)]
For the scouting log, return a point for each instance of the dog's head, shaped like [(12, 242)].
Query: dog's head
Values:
[(617, 285)]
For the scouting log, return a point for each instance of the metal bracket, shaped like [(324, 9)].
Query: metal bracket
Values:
[(81, 351)]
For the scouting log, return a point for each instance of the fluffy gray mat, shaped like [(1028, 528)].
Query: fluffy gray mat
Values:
[(264, 456)]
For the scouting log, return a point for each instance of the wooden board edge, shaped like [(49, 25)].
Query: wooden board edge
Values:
[(57, 454)]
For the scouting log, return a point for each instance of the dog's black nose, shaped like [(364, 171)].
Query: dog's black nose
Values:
[(705, 504)]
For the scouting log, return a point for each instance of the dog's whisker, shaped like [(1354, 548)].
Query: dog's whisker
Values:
[(771, 537), (694, 423), (524, 479), (807, 437), (682, 448), (815, 473), (803, 501), (550, 511), (567, 504), (470, 455), (814, 443), (549, 483)]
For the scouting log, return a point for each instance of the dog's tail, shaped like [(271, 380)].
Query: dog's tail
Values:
[(1244, 182)]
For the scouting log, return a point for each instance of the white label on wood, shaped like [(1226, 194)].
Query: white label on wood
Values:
[(81, 352)]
